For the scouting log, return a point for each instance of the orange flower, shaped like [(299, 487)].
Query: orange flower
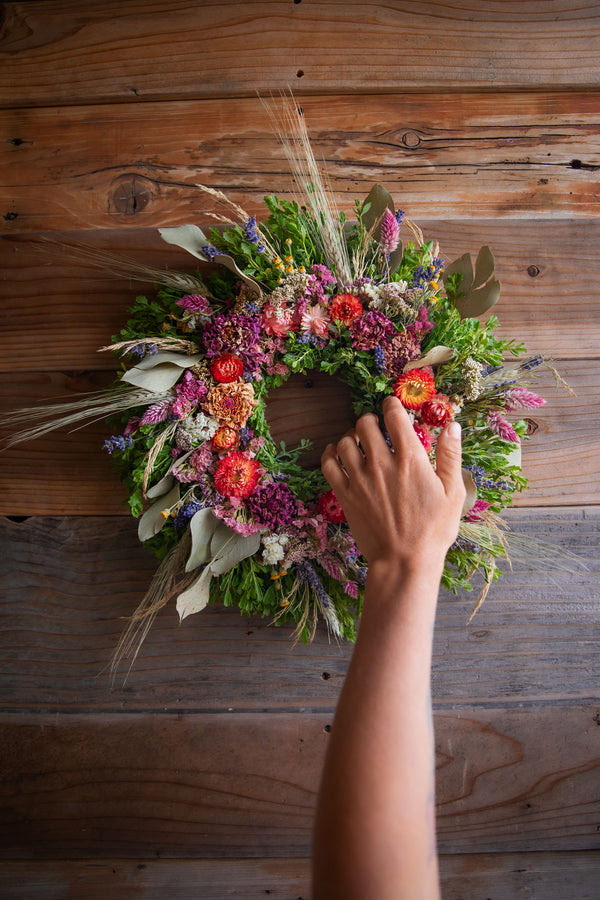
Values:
[(226, 368), (231, 404), (236, 475), (414, 388), (225, 438), (346, 309)]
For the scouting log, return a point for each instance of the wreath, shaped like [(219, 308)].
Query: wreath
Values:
[(232, 515)]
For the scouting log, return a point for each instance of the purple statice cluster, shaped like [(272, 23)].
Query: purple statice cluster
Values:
[(189, 392), (143, 349), (252, 234), (307, 575), (371, 330), (424, 274), (482, 480), (237, 334), (273, 504), (185, 513), (118, 442)]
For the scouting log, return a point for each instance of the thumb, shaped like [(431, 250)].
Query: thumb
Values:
[(448, 460)]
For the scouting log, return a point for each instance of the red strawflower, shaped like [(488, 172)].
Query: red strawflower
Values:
[(438, 411), (226, 368), (346, 309), (225, 438), (236, 475), (414, 388), (424, 435), (330, 509)]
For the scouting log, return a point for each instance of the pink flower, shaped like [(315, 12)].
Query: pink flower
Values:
[(437, 411), (158, 412), (390, 233), (316, 321), (278, 319), (475, 513), (521, 397), (502, 428), (424, 435), (330, 509), (195, 303)]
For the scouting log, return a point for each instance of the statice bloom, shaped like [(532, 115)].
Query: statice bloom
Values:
[(502, 428), (273, 504), (252, 234), (371, 330), (235, 334), (185, 513), (307, 574), (323, 274), (117, 442), (144, 348)]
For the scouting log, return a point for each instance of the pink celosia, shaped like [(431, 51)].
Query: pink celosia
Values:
[(390, 233), (475, 513), (521, 397), (502, 428), (195, 303), (158, 412), (316, 321)]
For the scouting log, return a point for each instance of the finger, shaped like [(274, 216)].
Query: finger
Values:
[(369, 434), (331, 469), (399, 426), (349, 453), (448, 461)]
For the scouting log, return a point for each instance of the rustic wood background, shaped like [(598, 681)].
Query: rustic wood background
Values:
[(197, 778)]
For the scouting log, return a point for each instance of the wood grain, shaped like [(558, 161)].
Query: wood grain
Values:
[(549, 272), (68, 584), (456, 156), (68, 472), (467, 876), (240, 785), (172, 48)]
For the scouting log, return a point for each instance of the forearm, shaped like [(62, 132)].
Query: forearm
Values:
[(375, 833)]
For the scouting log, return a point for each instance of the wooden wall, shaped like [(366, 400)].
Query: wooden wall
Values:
[(197, 777)]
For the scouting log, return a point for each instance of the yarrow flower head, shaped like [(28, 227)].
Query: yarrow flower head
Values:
[(414, 388), (237, 475)]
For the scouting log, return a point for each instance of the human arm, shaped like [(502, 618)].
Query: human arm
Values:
[(375, 824)]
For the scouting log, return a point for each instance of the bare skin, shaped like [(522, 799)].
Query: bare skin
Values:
[(375, 824)]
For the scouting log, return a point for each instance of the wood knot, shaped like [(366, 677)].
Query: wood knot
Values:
[(411, 139), (130, 195), (532, 426), (533, 271)]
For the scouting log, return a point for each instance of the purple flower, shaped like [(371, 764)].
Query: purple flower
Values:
[(195, 303), (210, 251), (273, 504), (323, 274), (371, 330), (238, 334)]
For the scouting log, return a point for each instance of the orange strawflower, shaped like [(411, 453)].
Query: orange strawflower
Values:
[(236, 475), (414, 388), (231, 404), (346, 309)]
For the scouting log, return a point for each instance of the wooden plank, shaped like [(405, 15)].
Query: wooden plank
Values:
[(244, 785), (104, 50), (467, 876), (68, 472), (506, 155), (548, 271), (67, 585)]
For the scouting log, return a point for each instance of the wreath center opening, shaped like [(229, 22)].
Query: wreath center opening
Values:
[(314, 406)]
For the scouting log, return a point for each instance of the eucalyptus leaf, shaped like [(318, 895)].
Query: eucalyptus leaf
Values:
[(379, 200), (166, 482), (235, 551), (196, 597), (434, 357), (396, 257), (153, 520), (480, 290), (158, 372), (203, 525)]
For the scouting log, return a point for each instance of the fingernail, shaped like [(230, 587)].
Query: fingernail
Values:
[(454, 430)]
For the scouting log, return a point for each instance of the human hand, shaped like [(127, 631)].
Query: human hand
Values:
[(399, 509)]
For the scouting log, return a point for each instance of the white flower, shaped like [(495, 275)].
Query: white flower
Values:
[(200, 427), (273, 548)]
